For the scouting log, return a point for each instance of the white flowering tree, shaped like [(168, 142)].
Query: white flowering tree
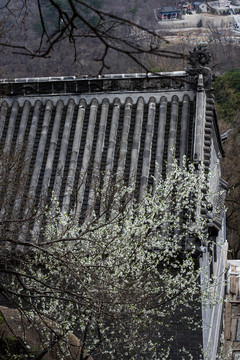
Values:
[(119, 279)]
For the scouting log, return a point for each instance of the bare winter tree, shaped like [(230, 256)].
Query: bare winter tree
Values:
[(78, 22)]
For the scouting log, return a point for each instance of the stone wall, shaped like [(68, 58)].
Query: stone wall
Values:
[(191, 21)]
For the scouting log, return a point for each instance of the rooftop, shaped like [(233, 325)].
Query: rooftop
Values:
[(74, 135), (168, 9), (73, 130)]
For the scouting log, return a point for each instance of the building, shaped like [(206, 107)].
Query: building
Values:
[(220, 7), (200, 6), (168, 13), (127, 124), (187, 6), (232, 313)]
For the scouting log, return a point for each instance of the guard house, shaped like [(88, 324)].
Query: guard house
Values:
[(168, 13), (127, 123)]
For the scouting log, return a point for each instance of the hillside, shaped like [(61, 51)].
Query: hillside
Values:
[(227, 92), (22, 27)]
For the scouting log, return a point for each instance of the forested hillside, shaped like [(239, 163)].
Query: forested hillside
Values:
[(21, 26), (227, 92), (79, 50)]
